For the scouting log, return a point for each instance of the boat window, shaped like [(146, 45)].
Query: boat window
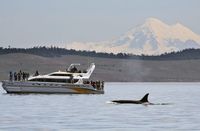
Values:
[(60, 75), (54, 80)]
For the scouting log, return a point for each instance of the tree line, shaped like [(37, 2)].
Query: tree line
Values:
[(58, 52)]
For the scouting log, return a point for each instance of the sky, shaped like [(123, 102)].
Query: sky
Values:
[(28, 23)]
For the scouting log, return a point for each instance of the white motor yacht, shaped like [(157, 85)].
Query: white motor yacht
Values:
[(70, 81)]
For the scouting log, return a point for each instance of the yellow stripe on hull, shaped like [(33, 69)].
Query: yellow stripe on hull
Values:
[(82, 90)]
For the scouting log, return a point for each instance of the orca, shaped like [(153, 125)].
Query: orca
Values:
[(144, 100)]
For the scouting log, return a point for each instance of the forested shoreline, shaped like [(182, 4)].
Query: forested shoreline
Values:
[(58, 52)]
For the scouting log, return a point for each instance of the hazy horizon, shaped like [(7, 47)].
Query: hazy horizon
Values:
[(28, 23)]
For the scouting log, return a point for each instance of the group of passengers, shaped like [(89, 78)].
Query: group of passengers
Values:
[(96, 84), (18, 76)]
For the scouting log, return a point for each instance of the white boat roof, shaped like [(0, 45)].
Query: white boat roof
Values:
[(67, 74)]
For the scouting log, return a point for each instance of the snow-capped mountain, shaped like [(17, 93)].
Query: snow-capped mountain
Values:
[(151, 38)]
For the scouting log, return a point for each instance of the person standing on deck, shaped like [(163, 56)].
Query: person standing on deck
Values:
[(11, 76)]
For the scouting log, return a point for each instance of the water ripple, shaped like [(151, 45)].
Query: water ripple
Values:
[(91, 112)]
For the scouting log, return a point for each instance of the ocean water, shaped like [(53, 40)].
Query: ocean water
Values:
[(40, 112)]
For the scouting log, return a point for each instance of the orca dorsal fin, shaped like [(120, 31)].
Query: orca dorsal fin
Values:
[(145, 98)]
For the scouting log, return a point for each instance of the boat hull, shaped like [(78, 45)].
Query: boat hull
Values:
[(47, 87)]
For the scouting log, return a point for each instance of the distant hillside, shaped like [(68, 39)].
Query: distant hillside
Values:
[(107, 69), (187, 54)]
